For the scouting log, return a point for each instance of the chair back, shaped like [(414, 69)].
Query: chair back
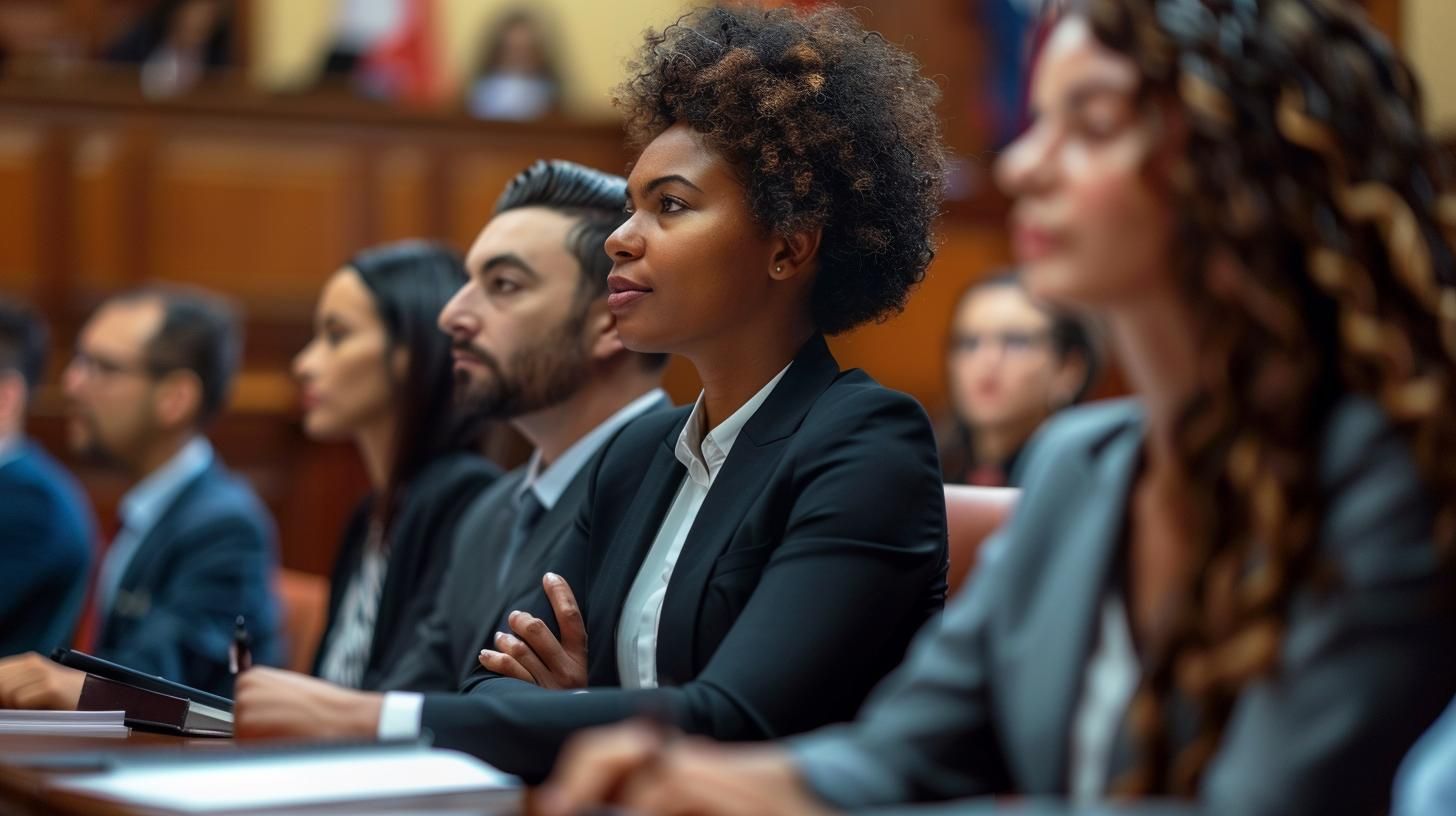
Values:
[(305, 600), (972, 514)]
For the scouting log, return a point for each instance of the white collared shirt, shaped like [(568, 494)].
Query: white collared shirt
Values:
[(1108, 684), (143, 506), (703, 455), (399, 715)]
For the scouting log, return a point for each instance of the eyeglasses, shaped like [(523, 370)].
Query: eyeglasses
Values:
[(1006, 342), (97, 365)]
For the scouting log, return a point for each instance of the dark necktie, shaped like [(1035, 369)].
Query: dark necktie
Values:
[(528, 513)]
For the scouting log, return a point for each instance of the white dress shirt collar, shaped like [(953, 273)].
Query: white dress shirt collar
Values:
[(704, 454), (549, 484)]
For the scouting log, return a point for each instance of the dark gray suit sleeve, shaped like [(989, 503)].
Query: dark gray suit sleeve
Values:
[(1365, 667), (427, 665), (926, 734)]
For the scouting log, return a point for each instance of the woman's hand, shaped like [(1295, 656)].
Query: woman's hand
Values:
[(644, 769), (533, 653), (277, 703)]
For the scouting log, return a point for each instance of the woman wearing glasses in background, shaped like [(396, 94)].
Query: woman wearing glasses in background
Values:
[(1010, 365)]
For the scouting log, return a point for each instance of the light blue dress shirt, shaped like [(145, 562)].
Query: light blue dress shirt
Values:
[(142, 507), (1426, 784)]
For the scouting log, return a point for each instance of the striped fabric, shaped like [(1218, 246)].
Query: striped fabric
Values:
[(346, 655)]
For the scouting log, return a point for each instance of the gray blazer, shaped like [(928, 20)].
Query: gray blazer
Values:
[(984, 703), (474, 596)]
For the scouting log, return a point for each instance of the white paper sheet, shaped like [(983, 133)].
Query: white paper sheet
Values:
[(64, 723), (292, 780)]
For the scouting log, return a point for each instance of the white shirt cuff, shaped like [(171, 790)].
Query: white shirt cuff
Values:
[(399, 717)]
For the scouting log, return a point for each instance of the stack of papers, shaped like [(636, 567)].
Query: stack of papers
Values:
[(64, 723)]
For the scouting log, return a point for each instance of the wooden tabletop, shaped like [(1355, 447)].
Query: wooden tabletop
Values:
[(24, 791), (27, 791)]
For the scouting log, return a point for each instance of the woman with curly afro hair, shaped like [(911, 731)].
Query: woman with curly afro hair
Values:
[(752, 565), (1235, 590)]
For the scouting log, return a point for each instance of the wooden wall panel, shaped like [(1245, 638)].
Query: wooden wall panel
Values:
[(21, 168), (104, 198), (403, 199), (477, 177), (265, 221)]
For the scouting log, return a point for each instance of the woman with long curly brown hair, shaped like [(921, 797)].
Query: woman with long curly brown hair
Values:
[(1238, 587)]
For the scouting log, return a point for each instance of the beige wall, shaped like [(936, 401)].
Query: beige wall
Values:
[(593, 39), (595, 36), (1429, 31)]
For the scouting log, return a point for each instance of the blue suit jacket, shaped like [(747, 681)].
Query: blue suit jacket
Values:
[(208, 559), (46, 533)]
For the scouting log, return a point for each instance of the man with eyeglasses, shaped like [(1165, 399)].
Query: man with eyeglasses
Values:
[(196, 548)]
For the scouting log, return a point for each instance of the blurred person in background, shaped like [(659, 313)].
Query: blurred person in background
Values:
[(176, 44), (1011, 363), (46, 526), (379, 372), (518, 78), (36, 41), (152, 368)]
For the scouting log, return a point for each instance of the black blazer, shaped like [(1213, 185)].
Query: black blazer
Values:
[(208, 559), (475, 595), (819, 551), (419, 542)]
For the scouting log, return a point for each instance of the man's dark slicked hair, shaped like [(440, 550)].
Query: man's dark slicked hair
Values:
[(23, 341), (200, 333), (597, 201)]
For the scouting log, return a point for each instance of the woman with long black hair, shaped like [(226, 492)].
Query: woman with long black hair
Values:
[(379, 372)]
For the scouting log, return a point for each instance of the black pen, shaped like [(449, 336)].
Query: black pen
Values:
[(240, 657)]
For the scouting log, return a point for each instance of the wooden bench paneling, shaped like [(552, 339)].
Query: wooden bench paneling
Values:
[(20, 180), (266, 222)]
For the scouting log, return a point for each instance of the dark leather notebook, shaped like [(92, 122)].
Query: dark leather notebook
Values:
[(151, 710)]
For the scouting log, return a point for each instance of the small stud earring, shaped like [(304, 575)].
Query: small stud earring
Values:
[(779, 269)]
